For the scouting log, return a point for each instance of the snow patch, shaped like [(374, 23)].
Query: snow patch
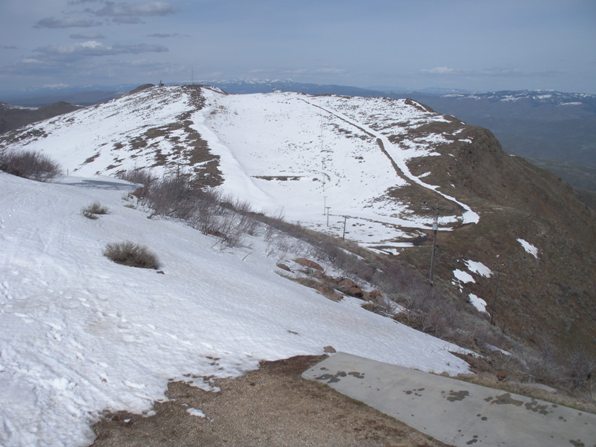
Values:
[(196, 412), (462, 276), (478, 268), (477, 302), (529, 248)]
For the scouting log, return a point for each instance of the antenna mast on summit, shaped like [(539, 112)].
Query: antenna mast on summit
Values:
[(192, 76)]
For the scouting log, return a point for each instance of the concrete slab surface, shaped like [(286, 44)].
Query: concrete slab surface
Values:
[(455, 412)]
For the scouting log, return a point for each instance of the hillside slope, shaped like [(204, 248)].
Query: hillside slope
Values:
[(556, 130), (80, 334), (378, 168), (536, 237), (282, 152)]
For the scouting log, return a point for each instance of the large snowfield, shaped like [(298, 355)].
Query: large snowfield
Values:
[(80, 334), (289, 154)]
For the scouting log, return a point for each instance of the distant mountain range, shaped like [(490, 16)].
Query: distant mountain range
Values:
[(555, 130), (13, 117)]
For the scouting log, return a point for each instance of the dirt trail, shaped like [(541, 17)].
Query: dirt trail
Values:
[(400, 167), (272, 406)]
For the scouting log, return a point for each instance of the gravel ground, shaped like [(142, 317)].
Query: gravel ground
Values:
[(272, 406)]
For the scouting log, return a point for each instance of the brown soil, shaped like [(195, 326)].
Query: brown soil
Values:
[(546, 301), (193, 152), (270, 406)]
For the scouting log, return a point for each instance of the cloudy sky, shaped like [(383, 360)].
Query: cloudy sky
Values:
[(407, 44)]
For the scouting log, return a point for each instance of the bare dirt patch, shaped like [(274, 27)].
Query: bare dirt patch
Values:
[(270, 406), (280, 178)]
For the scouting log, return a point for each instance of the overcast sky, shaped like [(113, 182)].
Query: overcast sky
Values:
[(407, 44)]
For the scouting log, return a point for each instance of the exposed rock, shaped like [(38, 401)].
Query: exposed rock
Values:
[(308, 263), (501, 375), (349, 287), (373, 295), (283, 267), (328, 292)]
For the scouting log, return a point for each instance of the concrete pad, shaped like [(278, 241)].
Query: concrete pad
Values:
[(452, 411)]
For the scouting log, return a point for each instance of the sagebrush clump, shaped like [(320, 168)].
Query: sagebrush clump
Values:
[(94, 210), (131, 254), (29, 164), (206, 210)]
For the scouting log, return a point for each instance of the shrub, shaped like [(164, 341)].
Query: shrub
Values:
[(206, 211), (29, 164), (93, 210), (131, 254), (172, 196), (140, 177)]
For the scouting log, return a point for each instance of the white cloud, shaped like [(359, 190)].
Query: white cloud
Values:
[(58, 85), (439, 70), (66, 22), (88, 36), (154, 8), (91, 48)]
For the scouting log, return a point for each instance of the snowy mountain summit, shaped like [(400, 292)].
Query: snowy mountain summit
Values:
[(298, 155)]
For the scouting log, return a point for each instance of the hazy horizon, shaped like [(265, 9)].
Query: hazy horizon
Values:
[(380, 44)]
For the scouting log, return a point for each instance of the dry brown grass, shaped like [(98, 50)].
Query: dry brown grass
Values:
[(29, 164), (94, 210), (131, 254)]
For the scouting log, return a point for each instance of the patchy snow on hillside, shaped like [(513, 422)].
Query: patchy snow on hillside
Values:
[(287, 154), (101, 138), (478, 268), (385, 118), (196, 412), (529, 248), (477, 302), (462, 276), (80, 334)]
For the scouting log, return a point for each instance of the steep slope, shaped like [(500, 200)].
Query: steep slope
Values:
[(149, 128), (282, 152), (556, 129), (545, 296), (378, 169), (80, 334)]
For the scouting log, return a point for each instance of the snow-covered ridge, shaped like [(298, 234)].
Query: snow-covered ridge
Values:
[(538, 96), (80, 334), (298, 155), (108, 137), (6, 106)]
